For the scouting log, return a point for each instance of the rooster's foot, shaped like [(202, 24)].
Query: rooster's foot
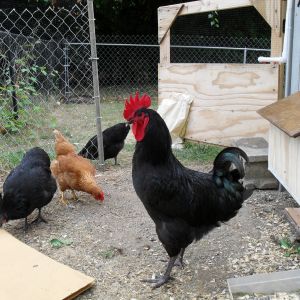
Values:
[(179, 260), (166, 277), (179, 263), (159, 281), (39, 218)]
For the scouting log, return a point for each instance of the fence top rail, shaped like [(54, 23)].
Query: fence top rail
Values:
[(173, 46)]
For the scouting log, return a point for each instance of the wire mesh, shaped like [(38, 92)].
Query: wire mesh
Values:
[(38, 93), (46, 77)]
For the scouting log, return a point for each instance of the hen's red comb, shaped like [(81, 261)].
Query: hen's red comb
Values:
[(134, 104)]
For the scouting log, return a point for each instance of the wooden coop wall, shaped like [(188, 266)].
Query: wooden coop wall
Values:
[(226, 96), (284, 160)]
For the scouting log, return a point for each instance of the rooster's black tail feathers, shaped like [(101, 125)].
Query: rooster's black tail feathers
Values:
[(229, 178), (228, 156)]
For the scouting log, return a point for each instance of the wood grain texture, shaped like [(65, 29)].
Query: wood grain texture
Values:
[(166, 17), (284, 160), (226, 97), (270, 10), (284, 114), (164, 49), (201, 6)]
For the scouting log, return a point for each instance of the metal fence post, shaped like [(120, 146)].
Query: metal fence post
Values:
[(245, 56), (96, 81), (66, 72)]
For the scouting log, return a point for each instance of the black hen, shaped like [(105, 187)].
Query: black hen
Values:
[(28, 186), (184, 204), (113, 142)]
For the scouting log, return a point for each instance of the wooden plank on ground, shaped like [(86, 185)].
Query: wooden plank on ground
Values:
[(265, 284), (293, 214), (284, 114), (29, 274), (226, 97)]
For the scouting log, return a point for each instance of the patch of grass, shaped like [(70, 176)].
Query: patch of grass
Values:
[(11, 158), (197, 152), (78, 123)]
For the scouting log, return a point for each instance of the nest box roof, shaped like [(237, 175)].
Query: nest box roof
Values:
[(284, 114)]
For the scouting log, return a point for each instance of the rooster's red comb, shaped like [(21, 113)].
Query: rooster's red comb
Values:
[(133, 104)]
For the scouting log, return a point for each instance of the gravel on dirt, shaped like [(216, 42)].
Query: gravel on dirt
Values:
[(115, 242)]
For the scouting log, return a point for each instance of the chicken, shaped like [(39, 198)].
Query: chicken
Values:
[(28, 186), (72, 171), (113, 142), (184, 204)]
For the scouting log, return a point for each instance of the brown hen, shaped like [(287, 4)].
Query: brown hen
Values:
[(72, 171)]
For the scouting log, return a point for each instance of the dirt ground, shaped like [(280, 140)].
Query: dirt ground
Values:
[(115, 242)]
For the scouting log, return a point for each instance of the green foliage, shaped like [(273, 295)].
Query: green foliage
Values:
[(289, 247), (214, 20), (25, 89), (56, 243), (11, 158)]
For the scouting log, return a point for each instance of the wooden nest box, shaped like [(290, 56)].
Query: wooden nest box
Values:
[(284, 142)]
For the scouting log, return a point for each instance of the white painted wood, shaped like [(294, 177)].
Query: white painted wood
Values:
[(226, 98), (295, 79), (284, 160)]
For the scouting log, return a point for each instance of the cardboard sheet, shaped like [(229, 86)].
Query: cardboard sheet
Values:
[(27, 274)]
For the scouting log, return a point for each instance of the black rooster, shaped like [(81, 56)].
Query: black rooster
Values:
[(28, 186), (184, 204), (113, 142)]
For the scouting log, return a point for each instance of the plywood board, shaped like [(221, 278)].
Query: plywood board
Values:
[(226, 97), (284, 160), (164, 49), (293, 214), (166, 17), (270, 10), (28, 274), (202, 6), (284, 114)]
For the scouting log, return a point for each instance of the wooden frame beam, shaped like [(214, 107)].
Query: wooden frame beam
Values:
[(272, 11), (166, 17), (168, 14)]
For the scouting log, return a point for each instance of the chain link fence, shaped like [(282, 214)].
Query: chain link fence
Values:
[(129, 63), (46, 77), (34, 82)]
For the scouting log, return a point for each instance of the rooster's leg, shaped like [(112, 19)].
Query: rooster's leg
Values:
[(179, 260), (62, 199), (116, 160), (39, 218), (74, 195), (166, 277), (26, 225)]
